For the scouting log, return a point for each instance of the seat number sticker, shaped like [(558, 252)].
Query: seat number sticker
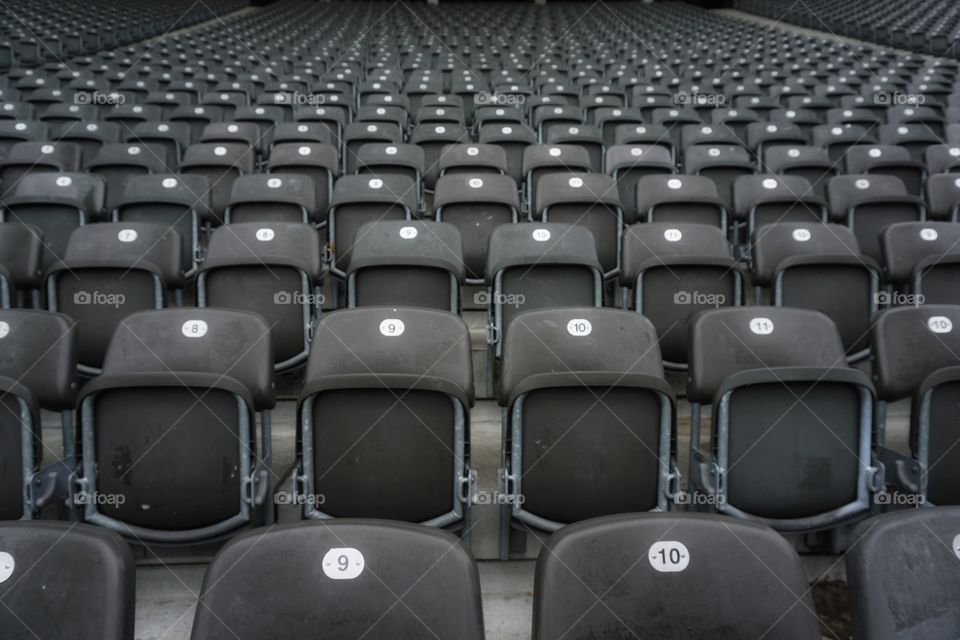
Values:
[(343, 563), (669, 556)]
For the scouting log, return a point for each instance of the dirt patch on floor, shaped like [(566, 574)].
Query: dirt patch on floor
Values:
[(833, 608)]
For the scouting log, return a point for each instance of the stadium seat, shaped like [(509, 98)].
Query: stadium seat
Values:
[(391, 388), (645, 571), (920, 261), (343, 577)]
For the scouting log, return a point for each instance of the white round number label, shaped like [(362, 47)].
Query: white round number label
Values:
[(956, 549), (801, 235), (541, 235), (7, 566), (392, 327), (4, 329), (673, 235), (579, 327), (669, 556), (127, 235), (929, 234), (194, 328), (265, 235), (343, 563), (761, 326), (408, 233), (940, 324)]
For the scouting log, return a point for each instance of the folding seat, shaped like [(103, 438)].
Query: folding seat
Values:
[(391, 115), (440, 114), (300, 132), (804, 119), (650, 99), (128, 116), (868, 204), (401, 378), (680, 199), (180, 389), (752, 364), (572, 379), (762, 136), (245, 133), (407, 263), (274, 197), (723, 164), (943, 196), (272, 269), (609, 118), (20, 111), (59, 575), (109, 271), (60, 114), (670, 272), (318, 162), (863, 118), (269, 109), (708, 134), (812, 163), (887, 160), (545, 119), (915, 138), (53, 205), (473, 160), (500, 115), (196, 118), (628, 164), (331, 118), (358, 134), (793, 260), (534, 266), (370, 88), (837, 139), (587, 137), (900, 572), (737, 120), (435, 574), (178, 202), (433, 139), (917, 115), (16, 131), (381, 160), (221, 165), (589, 200), (264, 117), (514, 140), (769, 199), (675, 119), (540, 161), (360, 199), (25, 158), (38, 372), (170, 137), (646, 570), (117, 164), (645, 135), (921, 262), (417, 89)]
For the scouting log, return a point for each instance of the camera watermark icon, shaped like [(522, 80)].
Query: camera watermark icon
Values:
[(699, 298), (899, 499), (485, 298), (696, 99), (898, 299), (497, 498), (699, 499), (497, 99), (298, 298), (115, 300), (99, 99), (282, 498), (99, 499), (898, 99)]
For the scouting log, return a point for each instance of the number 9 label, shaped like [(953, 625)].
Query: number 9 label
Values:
[(343, 563)]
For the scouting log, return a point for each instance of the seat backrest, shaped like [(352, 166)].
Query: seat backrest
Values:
[(670, 576), (58, 576), (342, 577), (902, 575)]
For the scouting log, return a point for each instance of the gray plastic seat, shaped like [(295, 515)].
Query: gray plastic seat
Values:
[(680, 199), (272, 269), (65, 576), (922, 262), (384, 426), (274, 197), (410, 263), (752, 364), (915, 356), (342, 579), (901, 576), (179, 390), (588, 416), (637, 576)]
